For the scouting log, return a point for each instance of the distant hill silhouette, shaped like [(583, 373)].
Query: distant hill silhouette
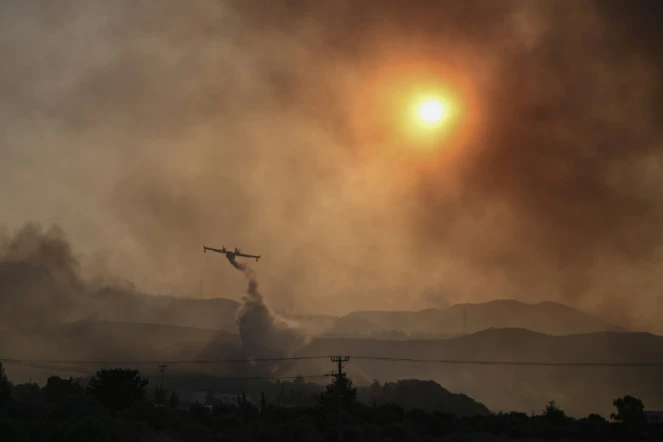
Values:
[(546, 317), (112, 341), (37, 296), (214, 313), (578, 390), (423, 395)]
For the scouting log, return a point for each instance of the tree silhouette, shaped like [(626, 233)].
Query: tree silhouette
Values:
[(173, 400), (210, 399), (12, 430), (118, 389), (374, 393), (553, 414), (59, 391), (630, 411), (263, 402), (343, 384), (200, 413), (5, 386), (89, 429), (29, 393), (159, 395)]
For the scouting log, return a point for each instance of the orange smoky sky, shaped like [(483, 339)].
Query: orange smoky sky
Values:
[(146, 129)]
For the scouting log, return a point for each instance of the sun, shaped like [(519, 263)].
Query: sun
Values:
[(432, 120), (432, 112)]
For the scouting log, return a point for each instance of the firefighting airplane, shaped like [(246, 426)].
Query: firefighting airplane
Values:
[(230, 254)]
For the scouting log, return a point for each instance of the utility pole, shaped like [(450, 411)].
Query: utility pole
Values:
[(340, 360), (162, 370)]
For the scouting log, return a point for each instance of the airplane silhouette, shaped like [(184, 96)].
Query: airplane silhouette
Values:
[(230, 254)]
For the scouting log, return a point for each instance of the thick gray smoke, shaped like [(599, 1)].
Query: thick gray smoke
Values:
[(52, 310), (39, 277), (41, 282), (262, 333), (162, 124)]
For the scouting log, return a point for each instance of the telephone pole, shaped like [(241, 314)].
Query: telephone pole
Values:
[(340, 360), (162, 370)]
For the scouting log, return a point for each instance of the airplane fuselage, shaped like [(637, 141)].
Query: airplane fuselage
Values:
[(231, 254)]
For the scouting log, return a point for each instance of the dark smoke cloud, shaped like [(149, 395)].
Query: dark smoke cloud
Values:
[(39, 279), (41, 283), (568, 170), (169, 126), (262, 334), (560, 188), (50, 249)]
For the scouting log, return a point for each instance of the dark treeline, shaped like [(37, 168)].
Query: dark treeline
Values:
[(118, 405)]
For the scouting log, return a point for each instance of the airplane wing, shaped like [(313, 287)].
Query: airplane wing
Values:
[(256, 257), (205, 248)]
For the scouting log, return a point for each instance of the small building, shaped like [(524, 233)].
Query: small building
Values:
[(229, 399), (654, 416), (188, 397)]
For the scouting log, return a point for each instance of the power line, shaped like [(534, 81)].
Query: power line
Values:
[(166, 362), (366, 358), (512, 363), (257, 378), (46, 367), (222, 378), (162, 370)]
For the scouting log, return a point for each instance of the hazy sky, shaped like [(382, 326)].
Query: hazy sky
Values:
[(149, 128)]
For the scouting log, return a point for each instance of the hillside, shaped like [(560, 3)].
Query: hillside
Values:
[(424, 395), (547, 317), (213, 314), (110, 341), (36, 295), (578, 390)]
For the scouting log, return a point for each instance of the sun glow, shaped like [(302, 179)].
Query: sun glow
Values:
[(432, 111), (432, 120), (415, 110)]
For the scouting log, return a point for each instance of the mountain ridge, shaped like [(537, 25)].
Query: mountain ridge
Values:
[(546, 317), (36, 295), (501, 387)]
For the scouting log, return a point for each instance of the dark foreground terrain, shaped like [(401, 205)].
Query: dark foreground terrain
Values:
[(120, 405)]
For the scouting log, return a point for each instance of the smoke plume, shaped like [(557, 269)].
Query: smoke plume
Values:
[(262, 333), (161, 125), (39, 277), (42, 282)]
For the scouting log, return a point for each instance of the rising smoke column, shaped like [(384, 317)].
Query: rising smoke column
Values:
[(262, 333), (39, 277)]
